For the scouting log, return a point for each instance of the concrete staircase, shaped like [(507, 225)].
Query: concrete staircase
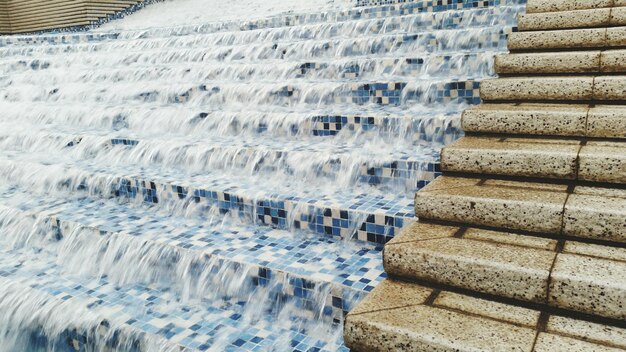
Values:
[(521, 244)]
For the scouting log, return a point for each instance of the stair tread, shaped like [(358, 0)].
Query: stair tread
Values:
[(512, 265), (525, 157), (585, 18), (539, 6), (570, 88), (589, 212), (466, 323), (562, 62)]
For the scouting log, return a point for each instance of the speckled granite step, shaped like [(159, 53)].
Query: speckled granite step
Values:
[(547, 119), (400, 316), (531, 157), (586, 212), (581, 277), (586, 18), (538, 6), (562, 62), (568, 39), (561, 88), (550, 158)]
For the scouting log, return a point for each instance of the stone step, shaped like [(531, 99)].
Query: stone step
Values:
[(570, 88), (595, 17), (399, 316), (585, 212), (545, 158), (562, 62), (568, 39), (604, 121), (580, 277), (538, 6)]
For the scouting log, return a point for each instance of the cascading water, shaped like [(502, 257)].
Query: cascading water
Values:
[(223, 186)]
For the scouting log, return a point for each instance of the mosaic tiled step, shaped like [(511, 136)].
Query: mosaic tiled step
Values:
[(580, 277), (327, 158), (538, 6), (82, 329), (286, 93), (545, 158), (423, 124), (562, 62), (468, 65), (402, 316), (378, 26), (443, 41), (364, 214), (568, 39), (571, 88), (159, 246), (586, 212), (444, 5), (156, 316), (547, 119), (589, 18)]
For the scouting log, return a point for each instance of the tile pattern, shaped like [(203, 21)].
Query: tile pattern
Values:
[(303, 263)]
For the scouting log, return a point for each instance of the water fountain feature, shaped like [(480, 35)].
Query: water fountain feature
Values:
[(225, 186)]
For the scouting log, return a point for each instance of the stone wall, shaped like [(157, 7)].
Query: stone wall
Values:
[(23, 16)]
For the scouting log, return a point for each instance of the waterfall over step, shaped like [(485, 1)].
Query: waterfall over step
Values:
[(225, 186)]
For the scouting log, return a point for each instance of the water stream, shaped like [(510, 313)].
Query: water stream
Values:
[(227, 185)]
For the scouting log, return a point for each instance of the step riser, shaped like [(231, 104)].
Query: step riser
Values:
[(538, 6), (603, 88), (568, 39), (538, 208), (576, 121), (572, 62), (522, 163), (558, 159)]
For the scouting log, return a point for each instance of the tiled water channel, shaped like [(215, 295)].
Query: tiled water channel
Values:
[(225, 186)]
